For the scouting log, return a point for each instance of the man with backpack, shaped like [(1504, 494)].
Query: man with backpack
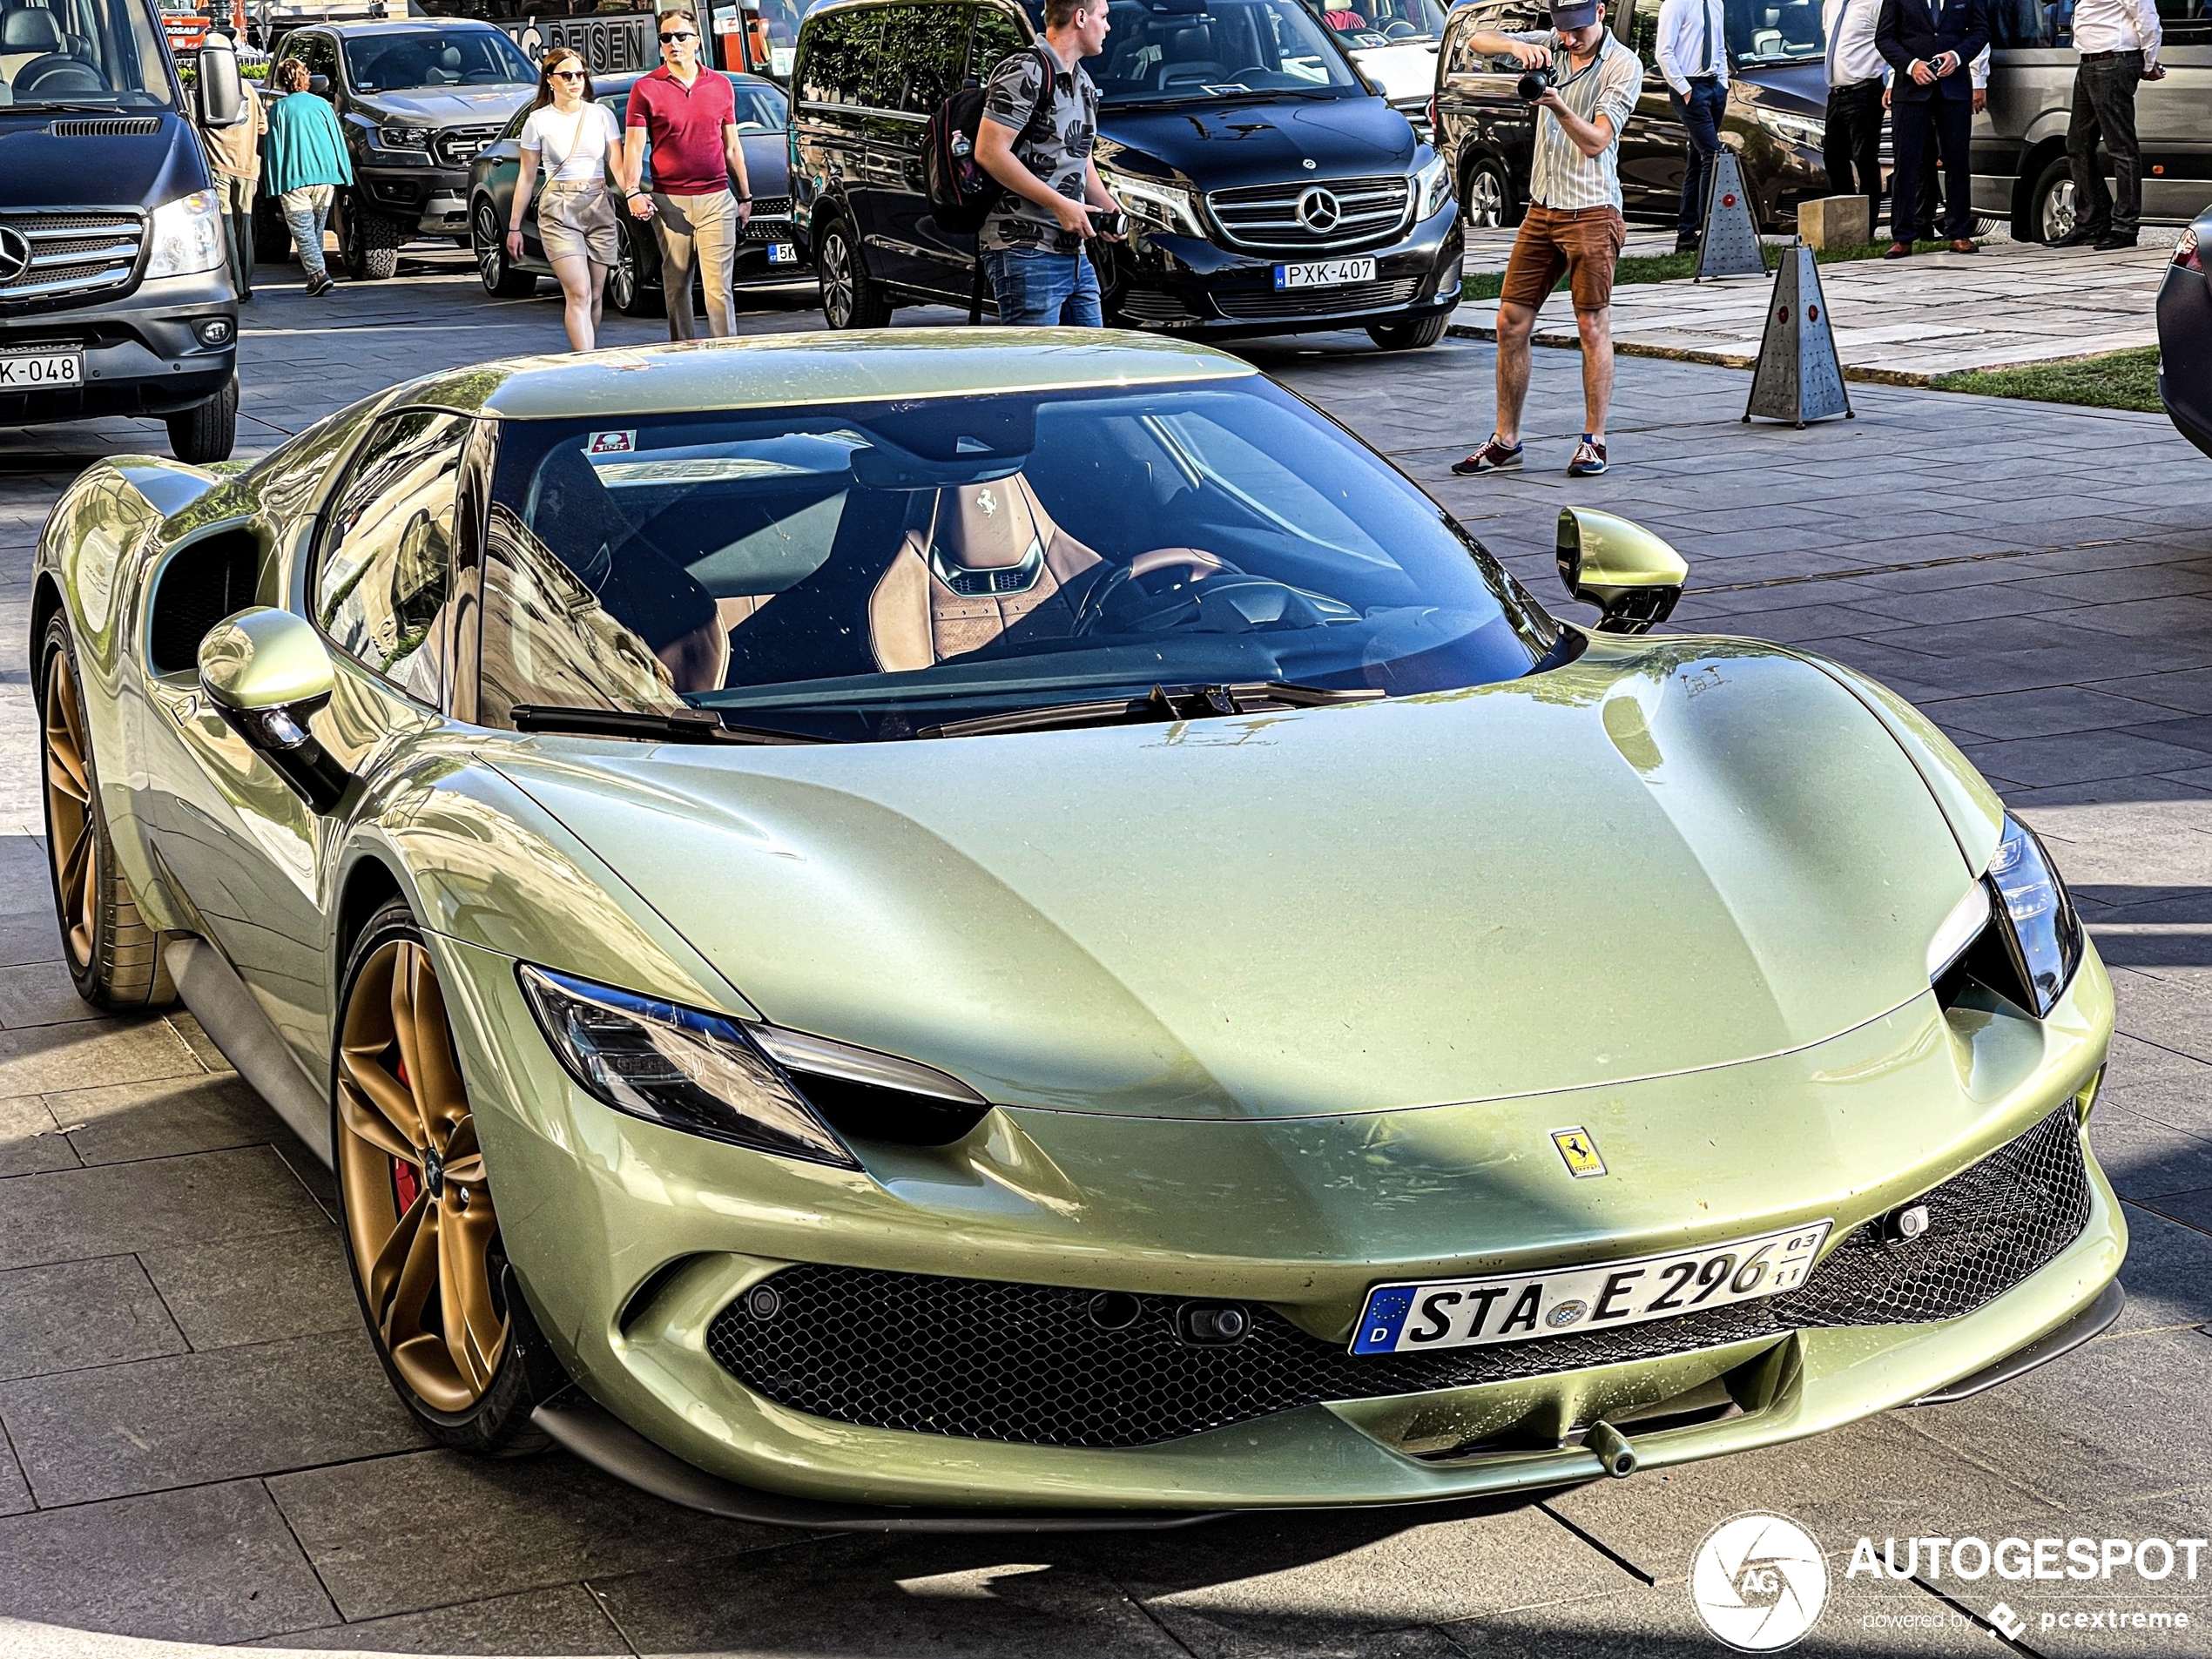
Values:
[(1040, 122)]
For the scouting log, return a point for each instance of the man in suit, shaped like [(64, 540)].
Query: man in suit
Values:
[(1928, 44)]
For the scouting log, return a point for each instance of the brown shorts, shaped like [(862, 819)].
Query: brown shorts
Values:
[(1585, 245)]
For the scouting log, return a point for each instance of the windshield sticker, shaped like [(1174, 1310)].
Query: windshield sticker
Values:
[(612, 444)]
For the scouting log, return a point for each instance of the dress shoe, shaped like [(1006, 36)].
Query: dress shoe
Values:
[(1899, 251), (1685, 244), (2080, 236), (2107, 244), (1963, 244)]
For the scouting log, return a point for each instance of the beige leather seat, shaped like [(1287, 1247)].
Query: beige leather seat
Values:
[(992, 558)]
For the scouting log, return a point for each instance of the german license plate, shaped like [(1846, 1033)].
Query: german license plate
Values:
[(783, 252), (1476, 1312), (21, 371), (1324, 273)]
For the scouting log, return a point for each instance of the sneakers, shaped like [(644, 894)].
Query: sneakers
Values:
[(317, 286), (1589, 458), (1493, 456)]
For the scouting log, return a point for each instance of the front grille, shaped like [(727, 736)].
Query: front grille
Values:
[(122, 126), (1267, 216), (1154, 305), (983, 1359), (1319, 302), (457, 146), (72, 256)]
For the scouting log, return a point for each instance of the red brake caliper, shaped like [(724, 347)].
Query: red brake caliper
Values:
[(407, 1185)]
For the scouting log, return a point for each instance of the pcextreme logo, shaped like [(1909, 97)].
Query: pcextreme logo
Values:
[(1758, 1582)]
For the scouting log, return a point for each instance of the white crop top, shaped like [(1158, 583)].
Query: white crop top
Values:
[(574, 146)]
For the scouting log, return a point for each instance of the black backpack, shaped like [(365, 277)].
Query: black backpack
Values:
[(962, 194)]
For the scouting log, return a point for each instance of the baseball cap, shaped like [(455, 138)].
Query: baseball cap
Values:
[(1576, 13)]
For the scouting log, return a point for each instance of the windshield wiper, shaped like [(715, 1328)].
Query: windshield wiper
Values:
[(74, 108), (699, 726), (1184, 703)]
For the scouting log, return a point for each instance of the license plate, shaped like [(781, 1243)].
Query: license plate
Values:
[(783, 252), (1324, 273), (25, 371), (1476, 1312)]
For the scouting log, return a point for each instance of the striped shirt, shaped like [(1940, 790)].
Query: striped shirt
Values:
[(1562, 177)]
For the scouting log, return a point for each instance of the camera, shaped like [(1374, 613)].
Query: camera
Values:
[(1109, 222), (1533, 84)]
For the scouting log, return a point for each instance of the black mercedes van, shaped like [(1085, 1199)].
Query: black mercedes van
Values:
[(1269, 189), (115, 293)]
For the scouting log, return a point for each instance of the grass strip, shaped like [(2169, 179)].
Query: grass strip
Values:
[(1680, 267), (2118, 379)]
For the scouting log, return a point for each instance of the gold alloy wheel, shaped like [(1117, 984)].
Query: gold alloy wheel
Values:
[(419, 1215), (72, 838)]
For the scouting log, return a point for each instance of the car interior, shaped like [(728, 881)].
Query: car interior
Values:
[(57, 52), (1253, 44), (423, 57)]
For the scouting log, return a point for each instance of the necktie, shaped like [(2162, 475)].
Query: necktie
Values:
[(1704, 38)]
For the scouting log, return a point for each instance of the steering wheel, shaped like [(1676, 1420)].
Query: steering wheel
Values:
[(1398, 29), (1251, 69), (1140, 606), (59, 72)]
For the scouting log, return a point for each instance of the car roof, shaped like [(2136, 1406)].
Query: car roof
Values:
[(401, 26), (770, 371)]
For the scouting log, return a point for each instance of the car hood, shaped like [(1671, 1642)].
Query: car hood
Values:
[(442, 106), (1797, 89), (1221, 146), (39, 168), (1666, 857)]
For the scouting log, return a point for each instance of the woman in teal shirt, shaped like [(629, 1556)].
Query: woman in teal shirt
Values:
[(305, 161)]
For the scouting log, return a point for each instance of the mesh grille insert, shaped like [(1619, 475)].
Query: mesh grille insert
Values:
[(983, 1359)]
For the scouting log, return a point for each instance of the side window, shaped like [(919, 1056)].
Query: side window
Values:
[(319, 53), (997, 38), (930, 44), (387, 568), (2184, 22), (837, 58), (1644, 34)]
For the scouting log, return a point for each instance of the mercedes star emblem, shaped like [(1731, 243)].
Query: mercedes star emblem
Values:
[(1318, 211), (15, 255)]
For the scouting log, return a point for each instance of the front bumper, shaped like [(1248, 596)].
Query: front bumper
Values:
[(141, 355), (1184, 285), (2185, 352), (432, 201), (630, 1240)]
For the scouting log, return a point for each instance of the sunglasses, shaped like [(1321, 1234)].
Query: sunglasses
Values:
[(564, 75), (671, 40)]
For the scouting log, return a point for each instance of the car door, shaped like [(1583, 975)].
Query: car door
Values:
[(246, 851), (934, 40), (1486, 116), (2173, 115), (496, 168), (830, 134), (1653, 156)]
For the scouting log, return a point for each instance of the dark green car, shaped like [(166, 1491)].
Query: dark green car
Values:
[(767, 254)]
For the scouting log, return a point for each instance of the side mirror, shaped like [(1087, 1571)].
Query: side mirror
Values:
[(267, 672), (318, 84), (222, 97), (1633, 577)]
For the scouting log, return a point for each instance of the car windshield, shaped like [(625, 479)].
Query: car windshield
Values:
[(101, 54), (864, 571), (1191, 50), (415, 58), (1360, 25)]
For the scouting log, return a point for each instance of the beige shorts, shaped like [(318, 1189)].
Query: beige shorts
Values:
[(578, 221)]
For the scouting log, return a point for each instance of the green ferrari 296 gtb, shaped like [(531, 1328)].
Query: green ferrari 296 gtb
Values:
[(988, 927)]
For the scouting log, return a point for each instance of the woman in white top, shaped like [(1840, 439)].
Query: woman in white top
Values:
[(575, 140)]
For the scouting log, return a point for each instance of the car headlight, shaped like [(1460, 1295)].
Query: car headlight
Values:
[(402, 138), (186, 235), (1161, 207), (1792, 129), (1432, 187), (2034, 906), (684, 1068)]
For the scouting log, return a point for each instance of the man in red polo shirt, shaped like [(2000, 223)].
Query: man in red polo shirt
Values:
[(692, 118)]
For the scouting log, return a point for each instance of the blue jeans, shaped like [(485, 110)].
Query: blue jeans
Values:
[(1036, 289), (306, 211), (1700, 114)]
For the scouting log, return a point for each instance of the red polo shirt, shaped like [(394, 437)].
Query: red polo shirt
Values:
[(684, 124)]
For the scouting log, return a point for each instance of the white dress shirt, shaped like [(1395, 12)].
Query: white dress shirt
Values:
[(1849, 28), (1693, 41), (2104, 26)]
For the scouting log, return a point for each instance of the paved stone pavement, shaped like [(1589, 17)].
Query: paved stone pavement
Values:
[(1901, 322), (197, 1447)]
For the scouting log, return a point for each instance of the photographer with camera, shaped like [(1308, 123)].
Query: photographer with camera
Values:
[(1583, 82)]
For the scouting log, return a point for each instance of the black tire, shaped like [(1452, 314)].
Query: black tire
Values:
[(272, 238), (206, 433), (2050, 204), (488, 241), (369, 243), (850, 297), (113, 957), (488, 1417), (1410, 336), (628, 289), (1485, 196)]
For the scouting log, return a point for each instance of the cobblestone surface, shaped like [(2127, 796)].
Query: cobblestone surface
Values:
[(196, 1445)]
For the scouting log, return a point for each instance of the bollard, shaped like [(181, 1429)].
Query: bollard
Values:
[(1729, 246), (1835, 221), (1799, 377)]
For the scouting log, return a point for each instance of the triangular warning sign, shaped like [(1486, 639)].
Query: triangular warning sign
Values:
[(1799, 377), (1729, 246)]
